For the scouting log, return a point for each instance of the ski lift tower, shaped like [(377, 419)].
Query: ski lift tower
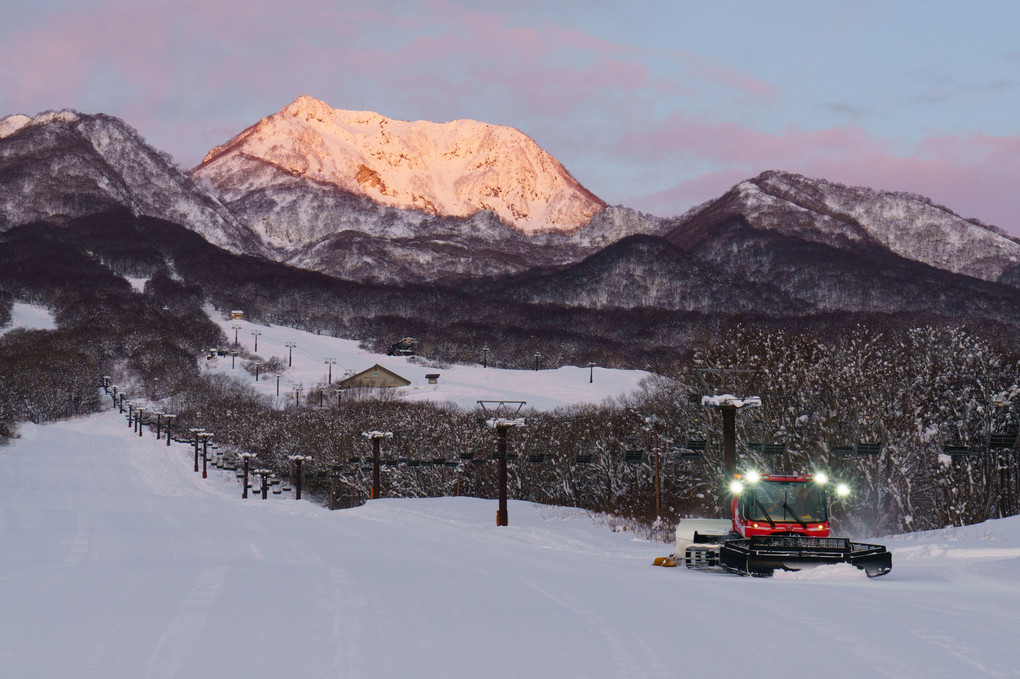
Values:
[(502, 416), (728, 404)]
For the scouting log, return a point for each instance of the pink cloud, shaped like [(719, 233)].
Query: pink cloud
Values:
[(713, 71)]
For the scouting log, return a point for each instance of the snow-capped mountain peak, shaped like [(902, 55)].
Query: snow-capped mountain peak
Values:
[(848, 217), (70, 164), (455, 169)]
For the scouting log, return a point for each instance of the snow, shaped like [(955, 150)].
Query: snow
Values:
[(731, 400), (907, 225), (30, 317), (455, 168), (137, 284), (462, 385), (11, 124), (119, 561)]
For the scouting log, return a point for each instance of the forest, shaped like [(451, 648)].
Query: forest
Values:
[(918, 414), (921, 425)]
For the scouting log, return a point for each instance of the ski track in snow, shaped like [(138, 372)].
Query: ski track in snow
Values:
[(118, 560)]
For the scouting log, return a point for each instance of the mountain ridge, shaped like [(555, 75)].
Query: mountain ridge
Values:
[(847, 217), (454, 169), (70, 164), (66, 164)]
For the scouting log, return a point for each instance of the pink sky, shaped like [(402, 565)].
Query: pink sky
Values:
[(657, 106)]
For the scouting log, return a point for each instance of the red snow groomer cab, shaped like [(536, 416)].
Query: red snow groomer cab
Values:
[(777, 522), (772, 504)]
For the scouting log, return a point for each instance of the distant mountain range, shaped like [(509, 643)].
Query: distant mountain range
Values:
[(481, 207)]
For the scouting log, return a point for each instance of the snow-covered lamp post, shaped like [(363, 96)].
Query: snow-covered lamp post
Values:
[(591, 372), (169, 419), (206, 435), (138, 420), (255, 334), (236, 327), (290, 353), (159, 424), (264, 473), (278, 384), (330, 362), (131, 415), (297, 395), (246, 461), (297, 460), (376, 437), (194, 435), (233, 358), (538, 357)]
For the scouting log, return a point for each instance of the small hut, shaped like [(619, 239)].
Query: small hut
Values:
[(376, 377)]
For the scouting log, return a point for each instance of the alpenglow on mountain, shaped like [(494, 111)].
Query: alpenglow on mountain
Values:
[(453, 169)]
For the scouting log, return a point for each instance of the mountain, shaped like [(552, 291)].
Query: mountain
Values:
[(778, 244), (285, 175), (856, 218), (742, 270), (785, 245), (62, 165), (647, 271)]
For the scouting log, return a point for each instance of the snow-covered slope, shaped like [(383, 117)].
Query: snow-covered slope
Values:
[(59, 166), (120, 561), (844, 217), (453, 169), (29, 317), (461, 385)]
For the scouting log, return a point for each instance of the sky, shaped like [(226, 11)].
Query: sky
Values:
[(655, 105)]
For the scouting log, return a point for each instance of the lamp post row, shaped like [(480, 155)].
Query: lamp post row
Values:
[(200, 440)]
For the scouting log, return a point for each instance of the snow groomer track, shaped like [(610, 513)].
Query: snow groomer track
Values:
[(118, 560)]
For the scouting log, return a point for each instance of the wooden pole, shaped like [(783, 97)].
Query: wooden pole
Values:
[(502, 516), (376, 442)]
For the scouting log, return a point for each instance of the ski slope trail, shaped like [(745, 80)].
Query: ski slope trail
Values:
[(458, 384), (117, 560)]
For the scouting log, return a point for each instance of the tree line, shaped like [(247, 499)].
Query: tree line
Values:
[(909, 421)]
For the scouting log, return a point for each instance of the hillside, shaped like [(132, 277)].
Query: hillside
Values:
[(856, 219), (67, 165)]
